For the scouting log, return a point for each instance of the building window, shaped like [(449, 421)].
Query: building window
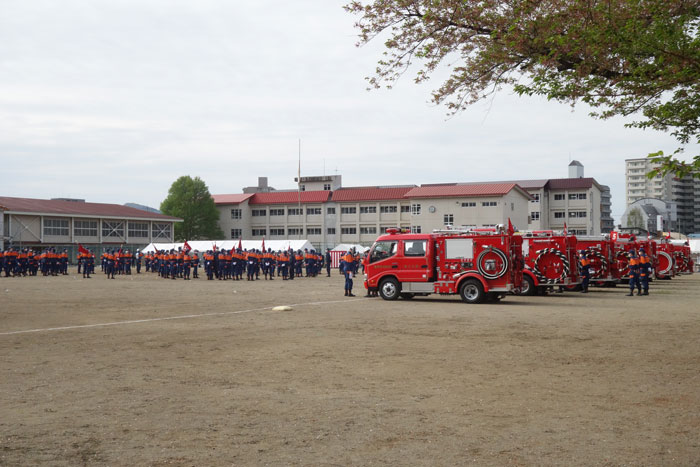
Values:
[(331, 230), (236, 213), (158, 230), (258, 212), (277, 212), (387, 209), (559, 197), (348, 210), (536, 198), (236, 233), (559, 214), (577, 196), (577, 214), (138, 229), (469, 204), (415, 209), (368, 230), (489, 203), (368, 209), (58, 227), (88, 228), (405, 208), (294, 231), (276, 232), (535, 216), (313, 211), (326, 187), (579, 232), (294, 211), (330, 211), (259, 232), (448, 219), (115, 229), (415, 229), (348, 230), (313, 231)]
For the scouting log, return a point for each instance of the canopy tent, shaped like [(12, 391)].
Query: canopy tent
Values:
[(204, 245), (341, 249)]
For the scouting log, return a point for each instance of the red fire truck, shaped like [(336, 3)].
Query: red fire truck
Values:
[(682, 257), (477, 265), (600, 251), (550, 260), (664, 260)]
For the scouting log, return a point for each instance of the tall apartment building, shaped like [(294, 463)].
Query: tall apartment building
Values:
[(685, 192)]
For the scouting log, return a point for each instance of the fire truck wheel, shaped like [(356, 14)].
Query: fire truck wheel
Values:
[(389, 289), (407, 295), (528, 287), (471, 291)]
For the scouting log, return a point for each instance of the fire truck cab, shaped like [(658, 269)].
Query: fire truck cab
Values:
[(479, 266)]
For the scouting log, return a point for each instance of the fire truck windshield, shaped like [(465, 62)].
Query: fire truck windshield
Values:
[(382, 250)]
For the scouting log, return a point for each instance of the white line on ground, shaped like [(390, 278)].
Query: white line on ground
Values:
[(166, 318)]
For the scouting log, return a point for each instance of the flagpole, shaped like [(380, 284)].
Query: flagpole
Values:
[(299, 175)]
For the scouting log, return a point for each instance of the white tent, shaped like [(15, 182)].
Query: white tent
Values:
[(204, 245), (343, 248), (348, 246)]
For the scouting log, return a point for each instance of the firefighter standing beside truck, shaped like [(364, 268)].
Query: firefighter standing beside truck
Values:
[(585, 271), (347, 267), (634, 274)]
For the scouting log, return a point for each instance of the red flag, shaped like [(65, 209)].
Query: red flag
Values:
[(566, 232), (82, 250), (263, 245), (240, 243), (214, 246), (510, 227), (186, 247)]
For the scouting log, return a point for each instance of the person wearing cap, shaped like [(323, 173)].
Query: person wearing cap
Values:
[(585, 270), (195, 264), (347, 267), (644, 271), (139, 257), (634, 274), (328, 262)]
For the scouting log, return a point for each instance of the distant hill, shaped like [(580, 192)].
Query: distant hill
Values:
[(142, 207)]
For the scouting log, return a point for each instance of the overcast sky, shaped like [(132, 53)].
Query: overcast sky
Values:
[(112, 100)]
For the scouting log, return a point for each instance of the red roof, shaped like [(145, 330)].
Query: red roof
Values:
[(483, 189), (290, 197), (232, 199), (371, 193), (570, 183), (77, 208)]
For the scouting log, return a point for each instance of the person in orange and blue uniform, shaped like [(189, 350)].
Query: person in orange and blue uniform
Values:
[(634, 267), (644, 271), (347, 267), (585, 270)]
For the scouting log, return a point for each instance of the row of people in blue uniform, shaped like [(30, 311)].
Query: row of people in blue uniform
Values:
[(24, 262), (233, 264)]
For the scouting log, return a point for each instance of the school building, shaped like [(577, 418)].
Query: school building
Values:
[(326, 213), (63, 223)]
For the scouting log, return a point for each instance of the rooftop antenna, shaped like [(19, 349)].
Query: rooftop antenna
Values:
[(299, 175)]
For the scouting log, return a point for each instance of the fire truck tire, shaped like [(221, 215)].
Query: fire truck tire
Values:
[(528, 287), (389, 289), (407, 295), (471, 291)]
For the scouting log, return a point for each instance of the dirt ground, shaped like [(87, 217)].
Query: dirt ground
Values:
[(145, 371)]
